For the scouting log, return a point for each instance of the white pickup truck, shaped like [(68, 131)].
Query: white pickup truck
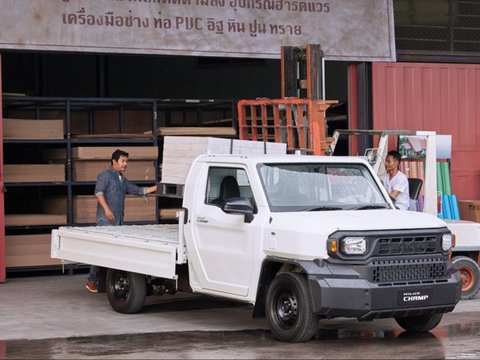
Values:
[(300, 237)]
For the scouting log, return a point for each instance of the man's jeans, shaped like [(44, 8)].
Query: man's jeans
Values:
[(93, 274)]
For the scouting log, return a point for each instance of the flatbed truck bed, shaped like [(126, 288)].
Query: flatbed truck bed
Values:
[(148, 249)]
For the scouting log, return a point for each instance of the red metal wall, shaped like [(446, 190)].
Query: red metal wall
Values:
[(440, 97), (2, 206)]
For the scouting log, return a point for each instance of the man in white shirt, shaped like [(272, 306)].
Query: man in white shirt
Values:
[(395, 181)]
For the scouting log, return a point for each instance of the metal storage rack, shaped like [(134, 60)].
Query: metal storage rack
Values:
[(165, 112)]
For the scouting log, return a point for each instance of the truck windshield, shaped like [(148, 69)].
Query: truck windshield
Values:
[(320, 187)]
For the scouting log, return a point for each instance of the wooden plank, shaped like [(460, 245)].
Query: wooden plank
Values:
[(34, 173), (197, 131), (113, 136), (169, 214), (102, 153), (87, 170), (34, 219), (136, 208), (105, 152), (32, 129), (28, 251)]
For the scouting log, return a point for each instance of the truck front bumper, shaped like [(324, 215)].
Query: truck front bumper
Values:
[(359, 298)]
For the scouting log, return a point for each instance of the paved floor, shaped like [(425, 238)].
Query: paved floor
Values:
[(60, 307)]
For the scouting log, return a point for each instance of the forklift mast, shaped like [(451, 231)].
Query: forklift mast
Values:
[(298, 118)]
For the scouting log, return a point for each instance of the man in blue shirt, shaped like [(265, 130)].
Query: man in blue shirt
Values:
[(110, 189)]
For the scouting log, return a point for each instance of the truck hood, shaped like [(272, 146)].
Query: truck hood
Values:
[(358, 220), (303, 235)]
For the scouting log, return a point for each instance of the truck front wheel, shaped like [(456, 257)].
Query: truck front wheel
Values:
[(419, 323), (470, 273), (126, 291), (289, 308)]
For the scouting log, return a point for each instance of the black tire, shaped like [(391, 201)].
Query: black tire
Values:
[(289, 308), (419, 323), (470, 273), (126, 291)]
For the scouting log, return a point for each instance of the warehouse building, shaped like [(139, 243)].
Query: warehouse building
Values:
[(79, 78)]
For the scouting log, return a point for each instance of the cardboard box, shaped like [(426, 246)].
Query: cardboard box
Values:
[(469, 210), (87, 170), (34, 173), (28, 250), (33, 129)]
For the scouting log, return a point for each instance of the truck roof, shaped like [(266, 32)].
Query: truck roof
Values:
[(278, 158)]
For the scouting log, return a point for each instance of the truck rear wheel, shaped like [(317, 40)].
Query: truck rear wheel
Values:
[(289, 308), (126, 291), (419, 323), (470, 273)]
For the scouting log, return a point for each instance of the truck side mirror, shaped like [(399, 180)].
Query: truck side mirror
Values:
[(239, 205)]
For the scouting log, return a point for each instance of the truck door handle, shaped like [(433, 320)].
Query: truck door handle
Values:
[(202, 220)]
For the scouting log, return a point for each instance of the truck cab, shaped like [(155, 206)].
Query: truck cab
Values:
[(313, 237)]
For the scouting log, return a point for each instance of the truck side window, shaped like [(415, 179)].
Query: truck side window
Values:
[(226, 183)]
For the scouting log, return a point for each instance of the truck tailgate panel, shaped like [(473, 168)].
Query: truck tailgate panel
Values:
[(146, 249)]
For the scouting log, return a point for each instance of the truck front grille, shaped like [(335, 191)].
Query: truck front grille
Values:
[(408, 270), (407, 245)]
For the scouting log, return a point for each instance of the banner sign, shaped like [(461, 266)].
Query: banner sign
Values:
[(356, 30)]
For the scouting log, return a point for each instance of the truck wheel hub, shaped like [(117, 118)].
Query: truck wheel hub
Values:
[(121, 286), (287, 308)]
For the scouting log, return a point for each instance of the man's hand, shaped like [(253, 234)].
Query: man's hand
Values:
[(151, 189), (109, 215)]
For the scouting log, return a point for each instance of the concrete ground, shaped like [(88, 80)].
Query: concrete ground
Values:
[(60, 307)]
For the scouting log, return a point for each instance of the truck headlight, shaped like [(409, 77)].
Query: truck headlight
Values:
[(448, 241), (354, 246)]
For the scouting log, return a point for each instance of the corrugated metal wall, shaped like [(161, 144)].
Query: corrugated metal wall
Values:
[(440, 97)]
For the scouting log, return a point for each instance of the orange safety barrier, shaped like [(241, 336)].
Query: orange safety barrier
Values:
[(300, 123)]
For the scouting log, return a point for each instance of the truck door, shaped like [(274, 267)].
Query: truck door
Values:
[(225, 242)]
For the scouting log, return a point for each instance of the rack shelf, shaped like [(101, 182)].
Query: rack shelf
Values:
[(87, 123)]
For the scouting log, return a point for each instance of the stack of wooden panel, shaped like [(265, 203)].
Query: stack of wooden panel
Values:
[(137, 208), (31, 129), (35, 219), (180, 151), (15, 173), (89, 161), (28, 251), (15, 129), (197, 131)]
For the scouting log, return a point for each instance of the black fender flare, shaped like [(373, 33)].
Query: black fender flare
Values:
[(270, 267)]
